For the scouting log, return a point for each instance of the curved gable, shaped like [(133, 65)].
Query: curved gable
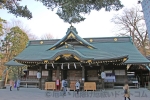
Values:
[(72, 35)]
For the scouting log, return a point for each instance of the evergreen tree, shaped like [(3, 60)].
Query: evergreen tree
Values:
[(68, 10)]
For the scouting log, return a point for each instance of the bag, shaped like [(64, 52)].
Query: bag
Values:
[(125, 91), (65, 84)]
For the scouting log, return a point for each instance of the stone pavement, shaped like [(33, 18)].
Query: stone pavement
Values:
[(37, 94)]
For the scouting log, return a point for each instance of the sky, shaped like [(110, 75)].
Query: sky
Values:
[(96, 24)]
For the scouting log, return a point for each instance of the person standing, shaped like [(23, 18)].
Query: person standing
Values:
[(18, 84), (68, 86), (126, 92), (11, 84), (62, 82), (64, 87), (57, 84), (77, 85), (15, 85)]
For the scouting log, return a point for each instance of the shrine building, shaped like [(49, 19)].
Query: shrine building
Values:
[(84, 59)]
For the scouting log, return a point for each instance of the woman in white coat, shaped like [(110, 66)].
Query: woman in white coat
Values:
[(77, 85)]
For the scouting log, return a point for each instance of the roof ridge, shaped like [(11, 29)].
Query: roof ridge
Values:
[(72, 34)]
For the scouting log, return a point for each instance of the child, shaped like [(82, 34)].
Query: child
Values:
[(77, 85), (57, 84)]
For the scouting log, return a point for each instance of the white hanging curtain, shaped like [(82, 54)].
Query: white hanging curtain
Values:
[(68, 66), (62, 66), (75, 66), (52, 65), (45, 66)]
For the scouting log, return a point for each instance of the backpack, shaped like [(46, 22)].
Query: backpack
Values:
[(65, 84), (125, 91)]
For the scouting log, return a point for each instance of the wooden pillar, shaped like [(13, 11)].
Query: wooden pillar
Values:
[(40, 80), (113, 70), (18, 72), (65, 74), (126, 73), (83, 73), (50, 75), (57, 72), (148, 73), (62, 74), (85, 70), (142, 82), (21, 71), (149, 76), (102, 70)]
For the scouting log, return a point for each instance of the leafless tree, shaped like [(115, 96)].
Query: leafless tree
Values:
[(47, 36), (131, 23), (22, 26), (32, 36)]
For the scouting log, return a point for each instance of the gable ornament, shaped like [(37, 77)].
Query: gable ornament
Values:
[(41, 42), (115, 39)]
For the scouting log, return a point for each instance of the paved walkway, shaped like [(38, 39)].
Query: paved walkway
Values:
[(36, 94)]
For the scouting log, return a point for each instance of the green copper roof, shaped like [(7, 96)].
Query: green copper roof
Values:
[(72, 34), (13, 63), (103, 49)]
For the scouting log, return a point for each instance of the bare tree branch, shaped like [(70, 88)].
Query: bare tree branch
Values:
[(47, 36), (22, 26), (131, 23)]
